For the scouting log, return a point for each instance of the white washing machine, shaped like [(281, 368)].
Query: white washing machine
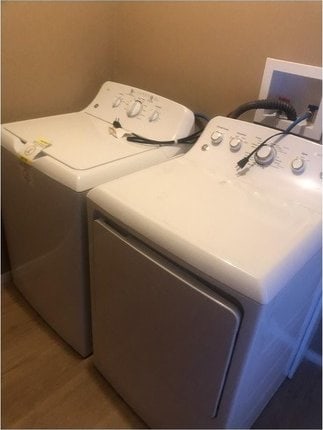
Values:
[(48, 165), (203, 277)]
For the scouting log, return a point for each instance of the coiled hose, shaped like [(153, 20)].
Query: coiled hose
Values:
[(276, 105)]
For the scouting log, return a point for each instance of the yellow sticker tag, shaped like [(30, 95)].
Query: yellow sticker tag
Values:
[(31, 150), (42, 142)]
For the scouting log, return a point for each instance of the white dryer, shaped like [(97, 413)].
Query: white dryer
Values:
[(203, 278), (48, 165)]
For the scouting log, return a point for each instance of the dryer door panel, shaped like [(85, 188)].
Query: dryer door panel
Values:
[(163, 342)]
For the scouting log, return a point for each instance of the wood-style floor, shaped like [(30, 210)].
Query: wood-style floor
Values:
[(45, 384)]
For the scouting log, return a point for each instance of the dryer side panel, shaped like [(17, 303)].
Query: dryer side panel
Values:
[(163, 342)]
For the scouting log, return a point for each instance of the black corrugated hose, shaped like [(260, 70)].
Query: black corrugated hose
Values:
[(276, 105)]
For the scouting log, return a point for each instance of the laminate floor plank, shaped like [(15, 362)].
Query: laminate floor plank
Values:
[(45, 383)]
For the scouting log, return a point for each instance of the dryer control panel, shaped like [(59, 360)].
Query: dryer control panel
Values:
[(286, 164), (141, 112)]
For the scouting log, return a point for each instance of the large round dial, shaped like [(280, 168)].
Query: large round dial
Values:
[(265, 155), (134, 109)]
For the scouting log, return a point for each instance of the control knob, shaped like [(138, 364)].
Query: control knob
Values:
[(134, 109), (154, 116), (297, 165), (235, 144), (117, 102), (265, 155), (216, 137)]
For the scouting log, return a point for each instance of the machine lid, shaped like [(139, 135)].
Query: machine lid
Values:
[(78, 140), (226, 230)]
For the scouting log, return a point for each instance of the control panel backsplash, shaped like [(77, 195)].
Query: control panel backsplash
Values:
[(141, 112), (286, 163)]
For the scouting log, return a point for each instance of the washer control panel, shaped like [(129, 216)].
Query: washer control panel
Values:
[(142, 112), (286, 163)]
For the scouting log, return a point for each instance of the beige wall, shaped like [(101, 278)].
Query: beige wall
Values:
[(55, 56), (207, 55), (211, 55)]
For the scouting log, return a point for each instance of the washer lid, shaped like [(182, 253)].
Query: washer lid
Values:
[(78, 140), (224, 230)]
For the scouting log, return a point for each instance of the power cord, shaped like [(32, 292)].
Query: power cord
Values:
[(188, 139), (306, 115)]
